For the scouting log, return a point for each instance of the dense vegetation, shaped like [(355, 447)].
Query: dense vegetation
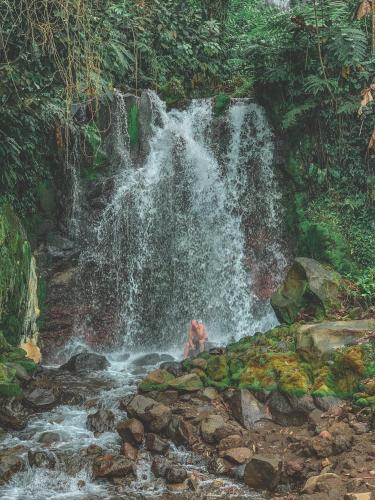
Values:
[(312, 66)]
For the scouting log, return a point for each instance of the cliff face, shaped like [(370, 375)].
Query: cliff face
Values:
[(19, 308)]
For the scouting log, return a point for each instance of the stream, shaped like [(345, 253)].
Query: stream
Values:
[(71, 477)]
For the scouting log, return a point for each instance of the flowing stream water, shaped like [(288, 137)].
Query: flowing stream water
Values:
[(192, 229)]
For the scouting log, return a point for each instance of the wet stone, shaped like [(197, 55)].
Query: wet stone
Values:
[(40, 399), (131, 430), (48, 438), (152, 359), (156, 444), (86, 361), (129, 451), (101, 421), (41, 458), (12, 414), (11, 462), (113, 466), (172, 367)]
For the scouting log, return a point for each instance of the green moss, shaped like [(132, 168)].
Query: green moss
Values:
[(15, 261), (133, 124), (217, 367), (157, 380), (29, 365), (172, 92), (222, 384), (10, 390), (221, 103)]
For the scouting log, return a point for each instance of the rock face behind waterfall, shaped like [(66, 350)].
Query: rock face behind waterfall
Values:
[(204, 189)]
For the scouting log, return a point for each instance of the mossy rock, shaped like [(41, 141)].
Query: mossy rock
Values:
[(157, 380), (217, 367), (187, 383), (10, 390), (222, 102), (308, 287), (318, 342), (15, 266), (222, 384), (28, 365)]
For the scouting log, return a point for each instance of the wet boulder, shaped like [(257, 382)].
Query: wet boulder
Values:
[(308, 286), (172, 473), (157, 380), (12, 414), (156, 444), (40, 399), (11, 462), (129, 451), (173, 367), (101, 421), (48, 438), (86, 361), (131, 430), (152, 359), (155, 416), (41, 458), (110, 466), (263, 472)]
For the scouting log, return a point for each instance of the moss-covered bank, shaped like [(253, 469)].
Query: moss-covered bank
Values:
[(271, 361)]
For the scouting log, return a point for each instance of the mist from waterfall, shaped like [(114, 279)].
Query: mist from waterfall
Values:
[(172, 243)]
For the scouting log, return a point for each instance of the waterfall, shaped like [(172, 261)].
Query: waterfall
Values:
[(192, 230)]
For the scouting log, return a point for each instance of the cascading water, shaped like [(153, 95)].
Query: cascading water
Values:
[(194, 231)]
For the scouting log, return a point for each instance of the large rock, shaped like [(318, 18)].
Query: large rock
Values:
[(101, 421), (158, 380), (131, 430), (187, 383), (308, 285), (109, 466), (12, 414), (41, 458), (289, 410), (238, 456), (155, 416), (172, 473), (156, 444), (40, 399), (11, 462), (317, 341), (246, 409), (152, 359), (214, 429), (173, 367), (86, 361), (325, 483), (263, 472)]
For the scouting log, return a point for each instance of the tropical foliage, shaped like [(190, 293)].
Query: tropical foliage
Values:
[(311, 65)]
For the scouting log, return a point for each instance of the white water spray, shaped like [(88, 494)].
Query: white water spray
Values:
[(172, 244)]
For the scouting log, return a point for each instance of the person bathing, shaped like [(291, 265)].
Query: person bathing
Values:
[(197, 337)]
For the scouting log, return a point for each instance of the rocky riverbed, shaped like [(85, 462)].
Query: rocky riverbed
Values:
[(69, 437), (83, 431)]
